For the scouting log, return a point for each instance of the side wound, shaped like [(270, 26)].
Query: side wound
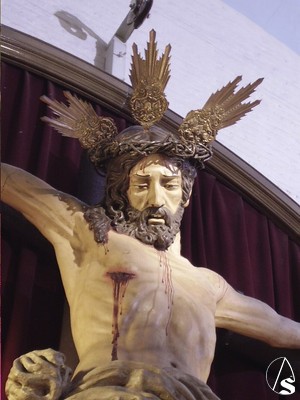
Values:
[(120, 284)]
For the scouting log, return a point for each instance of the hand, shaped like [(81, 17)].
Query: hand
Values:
[(40, 374)]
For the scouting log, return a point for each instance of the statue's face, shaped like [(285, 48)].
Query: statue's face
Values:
[(145, 200), (152, 184), (155, 206)]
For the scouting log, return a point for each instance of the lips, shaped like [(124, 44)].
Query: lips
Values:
[(156, 219)]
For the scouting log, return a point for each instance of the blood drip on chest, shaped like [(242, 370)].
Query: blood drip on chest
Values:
[(168, 283), (120, 284)]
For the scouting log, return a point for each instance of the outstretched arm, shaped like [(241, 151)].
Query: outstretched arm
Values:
[(39, 203), (253, 318)]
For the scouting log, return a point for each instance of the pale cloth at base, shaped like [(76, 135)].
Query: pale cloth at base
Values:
[(137, 381)]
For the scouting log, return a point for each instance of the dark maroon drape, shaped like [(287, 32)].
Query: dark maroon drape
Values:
[(220, 231), (223, 232)]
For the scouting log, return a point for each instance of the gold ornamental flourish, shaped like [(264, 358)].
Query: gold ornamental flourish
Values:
[(222, 109), (79, 120), (149, 78)]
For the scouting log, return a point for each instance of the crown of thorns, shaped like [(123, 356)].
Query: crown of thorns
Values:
[(149, 77)]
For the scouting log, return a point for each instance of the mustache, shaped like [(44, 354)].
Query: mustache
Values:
[(156, 212), (161, 236)]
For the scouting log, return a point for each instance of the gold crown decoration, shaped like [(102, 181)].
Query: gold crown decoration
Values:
[(222, 109), (149, 77), (79, 120)]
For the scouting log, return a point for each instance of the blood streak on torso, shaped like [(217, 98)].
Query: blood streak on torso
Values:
[(167, 281), (120, 283)]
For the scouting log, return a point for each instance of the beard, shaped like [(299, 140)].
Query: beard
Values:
[(161, 236)]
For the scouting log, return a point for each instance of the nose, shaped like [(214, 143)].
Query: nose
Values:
[(155, 197)]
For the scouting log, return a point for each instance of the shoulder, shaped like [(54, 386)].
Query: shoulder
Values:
[(218, 283)]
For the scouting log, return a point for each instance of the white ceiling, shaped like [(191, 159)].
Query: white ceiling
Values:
[(280, 18)]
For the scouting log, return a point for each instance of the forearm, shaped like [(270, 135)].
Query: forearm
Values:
[(287, 335), (11, 178), (6, 170), (19, 189), (37, 201)]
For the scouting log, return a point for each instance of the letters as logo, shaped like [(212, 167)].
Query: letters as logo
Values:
[(280, 376)]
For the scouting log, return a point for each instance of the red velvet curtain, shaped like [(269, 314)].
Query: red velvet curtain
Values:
[(220, 230)]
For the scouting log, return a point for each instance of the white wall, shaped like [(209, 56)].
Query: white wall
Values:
[(211, 44)]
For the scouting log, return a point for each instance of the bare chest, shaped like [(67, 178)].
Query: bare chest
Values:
[(137, 291), (130, 301)]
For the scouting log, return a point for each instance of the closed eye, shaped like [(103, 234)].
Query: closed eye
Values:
[(171, 186), (142, 186)]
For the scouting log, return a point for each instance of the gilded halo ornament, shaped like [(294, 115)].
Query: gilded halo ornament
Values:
[(149, 77)]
